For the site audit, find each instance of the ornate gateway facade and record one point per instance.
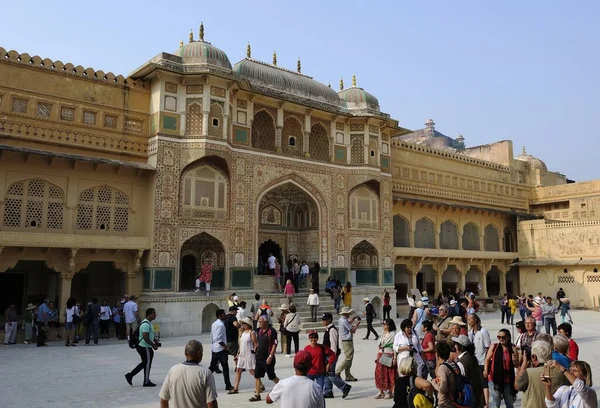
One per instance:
(111, 185)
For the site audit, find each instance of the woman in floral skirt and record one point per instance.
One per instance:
(385, 368)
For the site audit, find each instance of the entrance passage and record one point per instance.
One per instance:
(28, 282)
(194, 252)
(267, 248)
(99, 279)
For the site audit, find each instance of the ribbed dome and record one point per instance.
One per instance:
(283, 80)
(358, 98)
(534, 162)
(201, 52)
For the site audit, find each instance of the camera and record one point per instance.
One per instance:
(158, 343)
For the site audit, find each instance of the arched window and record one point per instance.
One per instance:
(401, 232)
(263, 131)
(34, 204)
(424, 233)
(103, 208)
(491, 240)
(470, 237)
(318, 144)
(364, 209)
(193, 119)
(449, 235)
(204, 193)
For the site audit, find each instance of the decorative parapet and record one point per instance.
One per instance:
(449, 155)
(59, 67)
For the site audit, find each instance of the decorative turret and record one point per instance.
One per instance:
(357, 98)
(429, 127)
(354, 81)
(191, 36)
(299, 66)
(201, 32)
(202, 52)
(275, 58)
(248, 51)
(341, 84)
(459, 142)
(534, 162)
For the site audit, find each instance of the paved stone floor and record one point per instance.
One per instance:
(57, 376)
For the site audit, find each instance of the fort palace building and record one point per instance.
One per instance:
(112, 185)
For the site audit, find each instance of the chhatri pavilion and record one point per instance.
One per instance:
(113, 184)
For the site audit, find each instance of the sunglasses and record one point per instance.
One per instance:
(501, 337)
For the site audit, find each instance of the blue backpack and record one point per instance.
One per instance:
(463, 391)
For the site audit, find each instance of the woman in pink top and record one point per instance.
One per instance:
(289, 291)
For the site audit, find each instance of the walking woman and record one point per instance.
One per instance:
(386, 304)
(499, 371)
(579, 394)
(292, 327)
(246, 359)
(289, 291)
(428, 346)
(277, 277)
(71, 314)
(347, 294)
(385, 363)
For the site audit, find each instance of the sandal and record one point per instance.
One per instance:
(262, 388)
(255, 398)
(379, 396)
(233, 392)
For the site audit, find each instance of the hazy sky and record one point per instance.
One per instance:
(527, 71)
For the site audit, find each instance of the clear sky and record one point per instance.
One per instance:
(527, 71)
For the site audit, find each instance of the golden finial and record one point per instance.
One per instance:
(275, 58)
(299, 66)
(191, 35)
(341, 84)
(201, 33)
(353, 80)
(248, 51)
(181, 44)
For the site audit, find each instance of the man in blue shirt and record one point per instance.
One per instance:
(145, 348)
(42, 322)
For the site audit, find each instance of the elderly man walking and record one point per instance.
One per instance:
(10, 324)
(347, 330)
(189, 384)
(42, 322)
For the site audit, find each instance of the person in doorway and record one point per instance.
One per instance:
(145, 347)
(205, 276)
(189, 384)
(53, 319)
(271, 264)
(295, 275)
(130, 310)
(105, 315)
(42, 322)
(28, 320)
(10, 324)
(298, 391)
(331, 340)
(218, 338)
(265, 356)
(386, 304)
(370, 315)
(313, 302)
(277, 277)
(304, 271)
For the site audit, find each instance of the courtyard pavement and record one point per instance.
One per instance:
(57, 376)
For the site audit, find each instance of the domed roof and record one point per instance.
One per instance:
(282, 80)
(202, 52)
(358, 98)
(534, 162)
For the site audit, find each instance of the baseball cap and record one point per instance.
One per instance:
(303, 359)
(313, 334)
(327, 316)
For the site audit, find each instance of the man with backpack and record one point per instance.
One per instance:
(445, 378)
(331, 339)
(145, 345)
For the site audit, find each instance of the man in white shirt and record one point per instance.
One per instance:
(218, 347)
(189, 384)
(304, 270)
(480, 338)
(313, 302)
(130, 310)
(298, 391)
(271, 264)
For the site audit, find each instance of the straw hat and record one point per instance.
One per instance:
(457, 320)
(366, 299)
(346, 310)
(284, 307)
(248, 321)
(30, 306)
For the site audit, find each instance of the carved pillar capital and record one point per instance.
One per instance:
(138, 259)
(72, 255)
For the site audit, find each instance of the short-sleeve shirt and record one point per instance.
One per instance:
(266, 339)
(70, 312)
(189, 385)
(146, 327)
(43, 309)
(129, 311)
(298, 392)
(345, 329)
(271, 262)
(230, 329)
(481, 340)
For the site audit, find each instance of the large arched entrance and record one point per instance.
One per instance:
(365, 260)
(288, 226)
(194, 252)
(28, 282)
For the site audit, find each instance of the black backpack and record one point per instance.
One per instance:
(134, 338)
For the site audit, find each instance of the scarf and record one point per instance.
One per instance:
(498, 370)
(387, 340)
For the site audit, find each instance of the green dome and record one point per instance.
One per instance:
(358, 98)
(285, 81)
(201, 52)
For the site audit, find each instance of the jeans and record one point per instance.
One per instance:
(92, 327)
(10, 332)
(296, 338)
(117, 329)
(147, 355)
(505, 312)
(370, 329)
(510, 318)
(336, 303)
(221, 357)
(319, 379)
(550, 322)
(495, 397)
(386, 312)
(332, 379)
(566, 318)
(523, 313)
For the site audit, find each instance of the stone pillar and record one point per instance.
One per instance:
(226, 122)
(130, 286)
(438, 282)
(481, 242)
(460, 243)
(205, 109)
(278, 132)
(305, 144)
(413, 279)
(437, 239)
(462, 278)
(66, 278)
(502, 277)
(485, 268)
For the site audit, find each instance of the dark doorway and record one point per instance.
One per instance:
(265, 249)
(12, 288)
(99, 279)
(189, 270)
(420, 284)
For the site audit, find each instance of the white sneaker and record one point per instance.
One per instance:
(288, 355)
(197, 290)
